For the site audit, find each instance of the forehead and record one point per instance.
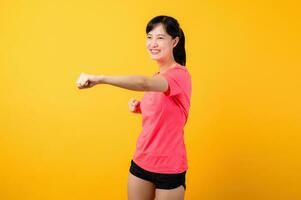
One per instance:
(158, 30)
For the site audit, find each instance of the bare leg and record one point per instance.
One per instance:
(173, 194)
(140, 189)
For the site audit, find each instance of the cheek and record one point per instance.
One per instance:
(147, 43)
(167, 45)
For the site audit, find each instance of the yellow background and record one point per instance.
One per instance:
(58, 142)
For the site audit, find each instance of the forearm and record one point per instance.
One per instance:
(130, 82)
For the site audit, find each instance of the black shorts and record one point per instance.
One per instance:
(161, 181)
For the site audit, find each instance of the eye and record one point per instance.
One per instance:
(160, 37)
(149, 37)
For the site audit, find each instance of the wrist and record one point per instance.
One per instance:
(99, 79)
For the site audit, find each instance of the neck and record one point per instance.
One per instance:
(166, 64)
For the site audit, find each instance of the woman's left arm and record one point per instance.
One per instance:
(130, 82)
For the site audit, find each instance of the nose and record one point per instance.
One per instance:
(153, 44)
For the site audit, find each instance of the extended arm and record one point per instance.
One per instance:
(135, 82)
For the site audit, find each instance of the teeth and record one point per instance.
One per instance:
(155, 51)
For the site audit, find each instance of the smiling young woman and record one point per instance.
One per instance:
(158, 167)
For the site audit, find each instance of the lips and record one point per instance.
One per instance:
(154, 51)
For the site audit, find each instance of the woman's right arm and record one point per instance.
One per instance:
(134, 106)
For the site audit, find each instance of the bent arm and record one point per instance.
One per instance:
(135, 82)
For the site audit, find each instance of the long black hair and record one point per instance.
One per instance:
(173, 28)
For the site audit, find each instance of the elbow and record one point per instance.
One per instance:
(145, 84)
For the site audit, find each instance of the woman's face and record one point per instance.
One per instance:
(159, 44)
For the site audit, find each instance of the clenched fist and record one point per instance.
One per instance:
(86, 81)
(134, 106)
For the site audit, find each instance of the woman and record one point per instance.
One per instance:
(159, 164)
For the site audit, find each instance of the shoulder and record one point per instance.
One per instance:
(178, 70)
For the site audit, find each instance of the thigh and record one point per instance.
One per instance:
(140, 189)
(171, 194)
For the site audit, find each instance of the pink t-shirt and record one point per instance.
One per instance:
(160, 146)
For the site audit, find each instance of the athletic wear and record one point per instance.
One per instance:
(160, 147)
(161, 181)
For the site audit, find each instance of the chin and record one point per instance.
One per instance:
(155, 57)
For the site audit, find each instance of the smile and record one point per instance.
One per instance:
(153, 51)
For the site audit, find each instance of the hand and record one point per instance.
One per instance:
(134, 106)
(86, 81)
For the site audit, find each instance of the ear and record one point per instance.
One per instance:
(175, 41)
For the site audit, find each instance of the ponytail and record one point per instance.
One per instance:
(179, 52)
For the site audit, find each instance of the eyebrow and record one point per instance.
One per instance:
(158, 34)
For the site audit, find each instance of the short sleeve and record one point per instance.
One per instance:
(174, 78)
